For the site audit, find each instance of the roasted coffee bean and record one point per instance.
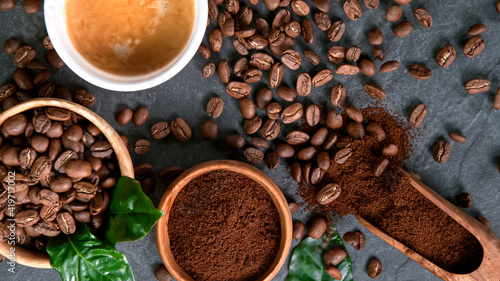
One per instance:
(262, 26)
(352, 9)
(336, 54)
(441, 152)
(141, 147)
(240, 45)
(355, 130)
(336, 31)
(390, 150)
(64, 158)
(317, 175)
(253, 155)
(261, 61)
(292, 113)
(457, 137)
(291, 59)
(27, 157)
(293, 29)
(232, 6)
(244, 32)
(10, 156)
(322, 5)
(498, 6)
(238, 89)
(47, 90)
(272, 160)
(334, 255)
(27, 218)
(15, 125)
(162, 274)
(170, 172)
(311, 56)
(308, 31)
(356, 239)
(474, 46)
(347, 69)
(9, 103)
(402, 2)
(304, 84)
(317, 228)
(96, 205)
(374, 269)
(12, 45)
(226, 24)
(394, 13)
(423, 17)
(66, 223)
(389, 66)
(294, 207)
(49, 229)
(419, 72)
(18, 183)
(180, 129)
(323, 160)
(354, 113)
(334, 272)
(484, 221)
(247, 108)
(371, 4)
(54, 60)
(57, 114)
(73, 133)
(24, 55)
(101, 149)
(270, 129)
(42, 77)
(300, 8)
(286, 93)
(259, 142)
(322, 77)
(330, 141)
(344, 142)
(215, 39)
(252, 75)
(319, 137)
(298, 230)
(208, 69)
(334, 119)
(263, 97)
(82, 216)
(296, 171)
(276, 74)
(213, 10)
(143, 169)
(7, 5)
(7, 91)
(78, 169)
(48, 197)
(235, 141)
(446, 56)
(378, 53)
(338, 95)
(84, 98)
(380, 167)
(476, 29)
(23, 80)
(464, 200)
(475, 86)
(297, 137)
(84, 190)
(204, 51)
(284, 150)
(342, 155)
(224, 71)
(367, 67)
(256, 42)
(252, 125)
(375, 36)
(160, 130)
(418, 114)
(353, 53)
(78, 206)
(313, 114)
(31, 6)
(67, 197)
(61, 184)
(307, 153)
(288, 43)
(273, 110)
(39, 169)
(403, 29)
(322, 20)
(374, 91)
(281, 19)
(214, 107)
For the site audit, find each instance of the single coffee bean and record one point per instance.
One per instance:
(474, 46)
(84, 98)
(378, 53)
(66, 223)
(323, 21)
(15, 125)
(209, 130)
(338, 95)
(47, 90)
(296, 171)
(380, 167)
(31, 6)
(271, 129)
(73, 133)
(160, 130)
(143, 169)
(284, 150)
(336, 31)
(276, 75)
(294, 207)
(304, 84)
(356, 239)
(272, 160)
(262, 26)
(78, 169)
(317, 175)
(354, 113)
(208, 69)
(224, 71)
(23, 80)
(263, 97)
(317, 228)
(342, 155)
(253, 155)
(255, 42)
(286, 93)
(323, 160)
(441, 152)
(292, 113)
(419, 72)
(84, 190)
(12, 45)
(215, 39)
(334, 119)
(54, 60)
(180, 129)
(300, 8)
(226, 24)
(367, 67)
(27, 218)
(293, 29)
(313, 114)
(273, 110)
(330, 141)
(307, 153)
(7, 91)
(141, 147)
(42, 77)
(328, 194)
(347, 69)
(235, 141)
(322, 77)
(40, 168)
(169, 172)
(82, 216)
(319, 137)
(389, 66)
(204, 51)
(259, 142)
(457, 137)
(374, 269)
(214, 107)
(355, 130)
(496, 103)
(57, 114)
(322, 5)
(308, 31)
(334, 256)
(281, 19)
(334, 272)
(446, 56)
(240, 45)
(48, 197)
(63, 159)
(475, 86)
(296, 137)
(394, 13)
(336, 54)
(298, 230)
(261, 61)
(93, 130)
(371, 4)
(238, 90)
(241, 66)
(484, 221)
(27, 157)
(291, 59)
(252, 125)
(375, 36)
(232, 6)
(101, 149)
(353, 53)
(374, 91)
(418, 114)
(403, 29)
(464, 200)
(311, 56)
(24, 55)
(390, 150)
(247, 108)
(352, 9)
(423, 17)
(162, 274)
(344, 142)
(476, 29)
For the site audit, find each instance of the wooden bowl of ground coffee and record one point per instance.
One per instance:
(38, 259)
(224, 220)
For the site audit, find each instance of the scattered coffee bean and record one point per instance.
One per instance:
(484, 221)
(209, 130)
(226, 24)
(390, 150)
(356, 239)
(169, 172)
(238, 89)
(476, 29)
(208, 69)
(354, 113)
(355, 130)
(204, 51)
(12, 45)
(272, 160)
(378, 53)
(464, 200)
(241, 66)
(253, 155)
(457, 137)
(317, 228)
(160, 130)
(291, 59)
(276, 74)
(334, 272)
(419, 72)
(271, 129)
(374, 269)
(141, 147)
(42, 77)
(322, 5)
(124, 116)
(319, 137)
(259, 142)
(273, 110)
(215, 39)
(475, 86)
(296, 171)
(298, 230)
(311, 56)
(375, 36)
(334, 255)
(286, 93)
(23, 80)
(418, 114)
(140, 116)
(441, 152)
(353, 53)
(247, 108)
(394, 13)
(180, 129)
(31, 6)
(336, 31)
(423, 17)
(322, 77)
(296, 137)
(294, 207)
(347, 69)
(330, 141)
(300, 8)
(24, 56)
(380, 167)
(474, 46)
(338, 96)
(389, 66)
(252, 125)
(496, 103)
(84, 98)
(328, 194)
(307, 153)
(336, 54)
(292, 113)
(403, 29)
(161, 272)
(334, 119)
(262, 26)
(54, 59)
(263, 97)
(214, 107)
(313, 114)
(143, 169)
(284, 150)
(374, 91)
(367, 67)
(352, 9)
(7, 5)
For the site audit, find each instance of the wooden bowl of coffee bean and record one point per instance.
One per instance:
(57, 161)
(235, 214)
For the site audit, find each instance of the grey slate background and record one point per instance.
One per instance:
(473, 166)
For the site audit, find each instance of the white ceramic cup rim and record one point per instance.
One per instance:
(57, 31)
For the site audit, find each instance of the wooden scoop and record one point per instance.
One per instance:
(489, 270)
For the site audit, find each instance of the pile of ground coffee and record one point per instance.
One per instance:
(224, 226)
(392, 204)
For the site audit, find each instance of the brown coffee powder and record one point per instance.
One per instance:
(392, 204)
(224, 226)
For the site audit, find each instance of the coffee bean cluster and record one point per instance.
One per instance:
(59, 168)
(30, 6)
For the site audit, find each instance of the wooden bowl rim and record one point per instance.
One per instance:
(161, 228)
(42, 260)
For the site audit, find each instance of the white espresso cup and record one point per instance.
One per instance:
(55, 21)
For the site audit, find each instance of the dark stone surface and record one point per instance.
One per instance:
(472, 168)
